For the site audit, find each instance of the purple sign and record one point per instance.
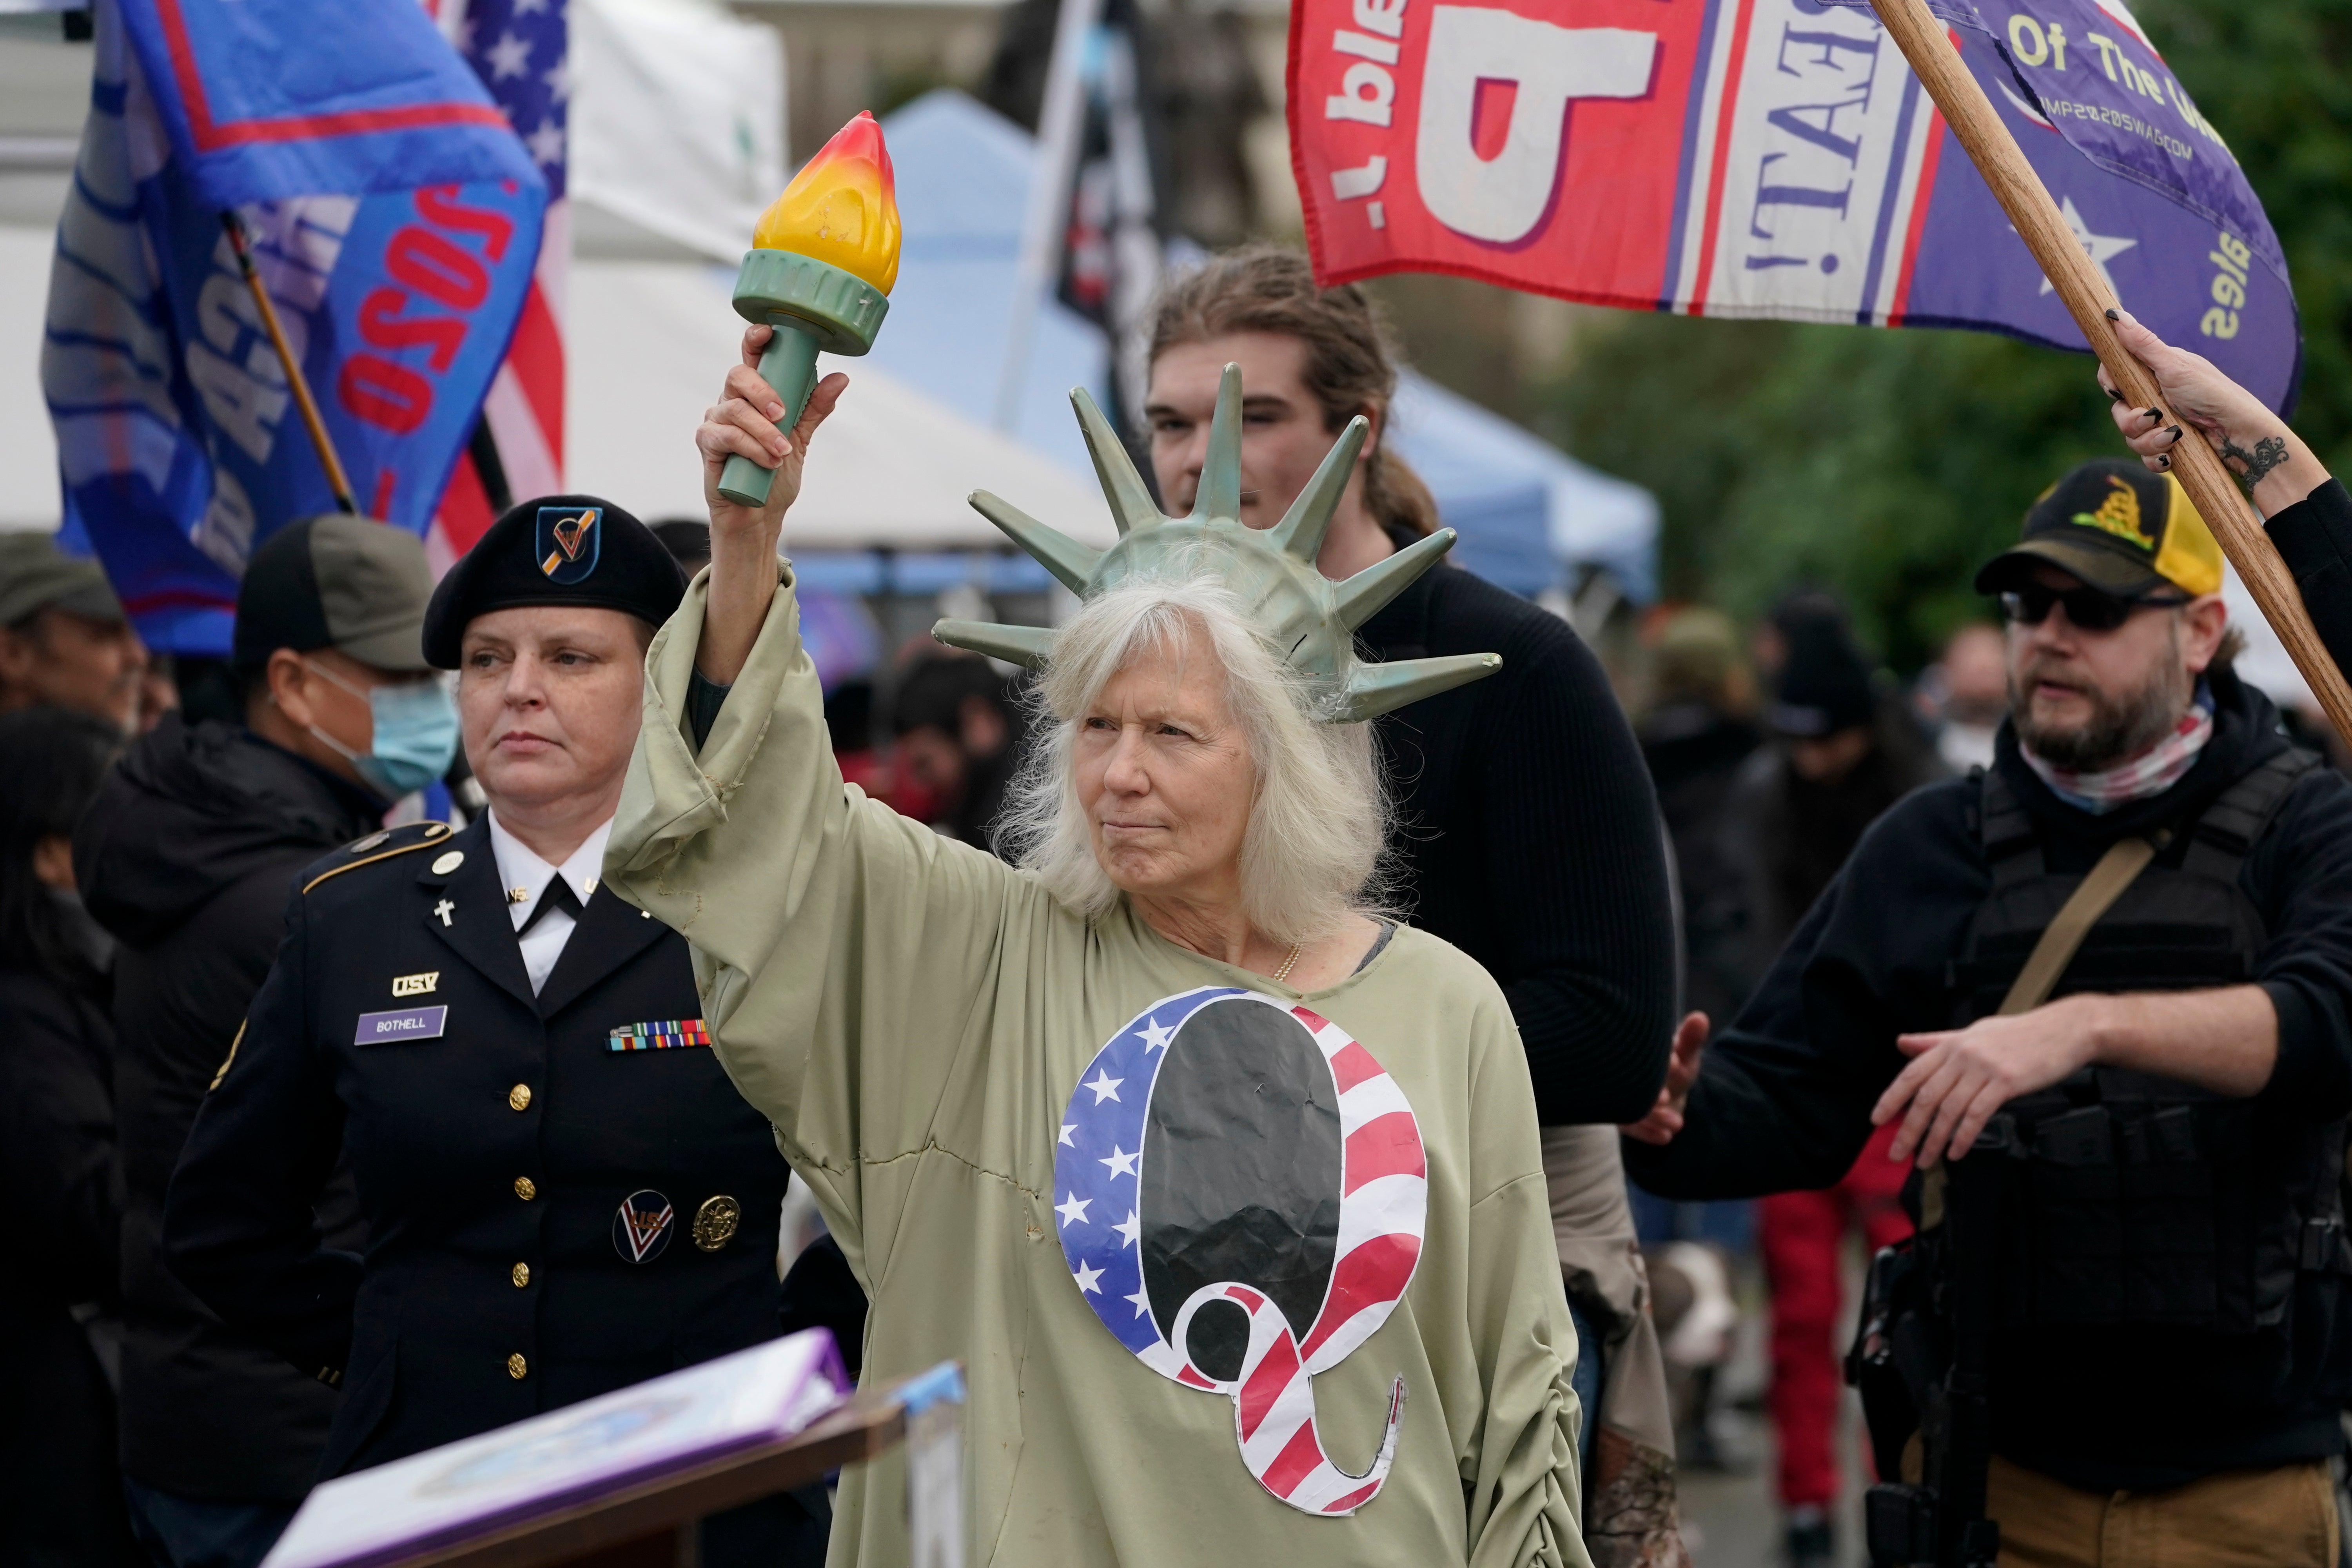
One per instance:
(477, 1485)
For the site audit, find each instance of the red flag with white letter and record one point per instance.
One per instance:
(1774, 158)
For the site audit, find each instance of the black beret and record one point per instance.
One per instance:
(555, 550)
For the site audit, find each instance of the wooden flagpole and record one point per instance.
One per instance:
(2211, 484)
(337, 481)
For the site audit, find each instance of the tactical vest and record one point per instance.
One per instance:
(2129, 1199)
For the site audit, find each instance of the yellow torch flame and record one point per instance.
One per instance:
(842, 207)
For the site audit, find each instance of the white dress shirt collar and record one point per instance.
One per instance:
(526, 879)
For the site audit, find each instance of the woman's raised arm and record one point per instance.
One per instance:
(2256, 444)
(743, 539)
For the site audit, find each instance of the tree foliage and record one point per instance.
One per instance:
(1886, 465)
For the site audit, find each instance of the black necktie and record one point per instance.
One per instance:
(559, 895)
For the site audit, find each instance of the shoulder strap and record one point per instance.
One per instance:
(2231, 825)
(2117, 869)
(2013, 847)
(428, 834)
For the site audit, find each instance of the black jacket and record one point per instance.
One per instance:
(1529, 838)
(186, 857)
(2314, 538)
(1784, 836)
(1783, 1098)
(61, 1487)
(493, 1136)
(1694, 754)
(57, 1142)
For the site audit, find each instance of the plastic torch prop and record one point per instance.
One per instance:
(820, 271)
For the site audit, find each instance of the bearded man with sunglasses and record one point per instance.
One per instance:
(2165, 1287)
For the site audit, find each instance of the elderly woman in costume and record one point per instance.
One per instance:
(1226, 1191)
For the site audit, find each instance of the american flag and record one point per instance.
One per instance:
(521, 49)
(1105, 1163)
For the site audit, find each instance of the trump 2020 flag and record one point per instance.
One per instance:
(1775, 158)
(394, 219)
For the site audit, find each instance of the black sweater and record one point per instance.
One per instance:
(1529, 838)
(1783, 1096)
(2314, 538)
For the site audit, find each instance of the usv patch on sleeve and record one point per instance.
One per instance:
(670, 1036)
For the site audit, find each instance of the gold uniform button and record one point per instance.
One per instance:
(521, 1275)
(716, 1221)
(517, 1368)
(519, 1096)
(525, 1188)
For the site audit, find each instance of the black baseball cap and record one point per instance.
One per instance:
(350, 583)
(2118, 528)
(1824, 686)
(555, 550)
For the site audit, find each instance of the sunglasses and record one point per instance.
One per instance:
(2088, 609)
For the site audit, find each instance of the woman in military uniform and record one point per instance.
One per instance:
(564, 1194)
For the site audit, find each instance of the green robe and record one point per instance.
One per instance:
(914, 1016)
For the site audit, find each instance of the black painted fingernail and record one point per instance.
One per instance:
(2115, 315)
(2176, 432)
(2164, 458)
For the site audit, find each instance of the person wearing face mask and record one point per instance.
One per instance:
(184, 859)
(562, 1192)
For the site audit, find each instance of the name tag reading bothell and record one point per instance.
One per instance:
(415, 1024)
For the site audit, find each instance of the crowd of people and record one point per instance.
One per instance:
(342, 1128)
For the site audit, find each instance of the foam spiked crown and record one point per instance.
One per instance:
(1272, 571)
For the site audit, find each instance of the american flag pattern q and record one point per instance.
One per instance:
(1240, 1192)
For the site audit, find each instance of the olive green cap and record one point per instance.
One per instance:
(35, 575)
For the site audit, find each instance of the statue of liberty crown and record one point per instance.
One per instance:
(1272, 571)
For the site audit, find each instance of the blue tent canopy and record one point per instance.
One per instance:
(1528, 513)
(963, 182)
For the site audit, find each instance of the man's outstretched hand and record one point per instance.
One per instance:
(1958, 1077)
(1666, 1118)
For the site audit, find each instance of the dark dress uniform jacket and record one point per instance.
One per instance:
(492, 1158)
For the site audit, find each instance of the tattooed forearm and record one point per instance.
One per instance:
(2269, 453)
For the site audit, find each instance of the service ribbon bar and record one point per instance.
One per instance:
(672, 1036)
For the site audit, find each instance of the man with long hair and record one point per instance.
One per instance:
(1528, 836)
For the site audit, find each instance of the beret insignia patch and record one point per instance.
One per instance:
(569, 542)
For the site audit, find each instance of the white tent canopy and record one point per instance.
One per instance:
(28, 451)
(677, 123)
(650, 342)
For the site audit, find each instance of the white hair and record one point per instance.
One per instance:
(1313, 851)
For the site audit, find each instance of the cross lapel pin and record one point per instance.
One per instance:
(443, 909)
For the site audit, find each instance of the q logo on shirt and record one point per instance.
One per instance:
(1242, 1193)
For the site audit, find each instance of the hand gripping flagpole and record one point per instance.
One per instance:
(2211, 486)
(337, 481)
